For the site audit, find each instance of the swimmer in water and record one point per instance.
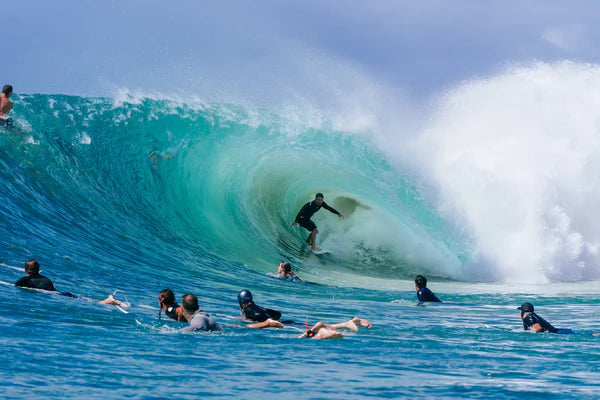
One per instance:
(166, 302)
(285, 272)
(535, 323)
(264, 317)
(5, 104)
(198, 319)
(330, 331)
(306, 212)
(34, 280)
(424, 294)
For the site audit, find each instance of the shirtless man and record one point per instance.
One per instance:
(5, 104)
(327, 331)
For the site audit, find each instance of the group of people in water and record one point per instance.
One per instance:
(258, 317)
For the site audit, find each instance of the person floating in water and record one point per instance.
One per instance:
(34, 280)
(198, 319)
(285, 272)
(264, 317)
(424, 294)
(330, 331)
(535, 323)
(306, 212)
(5, 104)
(166, 301)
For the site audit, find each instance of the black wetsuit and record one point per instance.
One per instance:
(424, 294)
(533, 318)
(171, 311)
(256, 313)
(308, 210)
(38, 281)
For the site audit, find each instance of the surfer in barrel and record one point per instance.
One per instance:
(304, 218)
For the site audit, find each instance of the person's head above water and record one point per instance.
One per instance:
(244, 297)
(7, 90)
(420, 282)
(189, 302)
(32, 267)
(525, 307)
(287, 268)
(166, 297)
(284, 268)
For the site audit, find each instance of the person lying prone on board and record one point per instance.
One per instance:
(33, 280)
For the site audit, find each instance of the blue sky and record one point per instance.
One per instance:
(262, 49)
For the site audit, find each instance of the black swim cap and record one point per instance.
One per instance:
(244, 297)
(526, 307)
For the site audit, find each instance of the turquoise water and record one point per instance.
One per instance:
(142, 194)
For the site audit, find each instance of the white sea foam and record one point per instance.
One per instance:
(515, 159)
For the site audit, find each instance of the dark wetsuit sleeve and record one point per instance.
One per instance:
(274, 314)
(333, 210)
(23, 282)
(546, 325)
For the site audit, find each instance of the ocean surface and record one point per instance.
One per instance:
(138, 193)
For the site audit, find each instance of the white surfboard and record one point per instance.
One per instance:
(322, 251)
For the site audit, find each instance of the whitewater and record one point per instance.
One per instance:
(491, 195)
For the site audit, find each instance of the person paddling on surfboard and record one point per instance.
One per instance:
(33, 280)
(306, 212)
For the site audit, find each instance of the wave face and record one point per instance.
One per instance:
(161, 181)
(502, 184)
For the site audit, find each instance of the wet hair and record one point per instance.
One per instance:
(287, 268)
(190, 303)
(7, 89)
(319, 195)
(166, 297)
(421, 281)
(32, 267)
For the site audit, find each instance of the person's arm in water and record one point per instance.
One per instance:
(268, 323)
(23, 282)
(333, 210)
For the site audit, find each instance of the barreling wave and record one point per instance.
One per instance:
(502, 185)
(154, 179)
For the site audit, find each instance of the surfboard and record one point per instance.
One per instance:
(322, 251)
